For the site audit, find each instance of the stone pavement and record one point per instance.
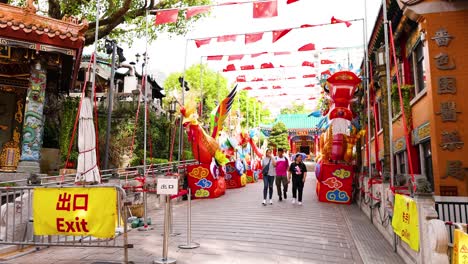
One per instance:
(236, 228)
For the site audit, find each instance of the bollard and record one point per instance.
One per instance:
(165, 259)
(189, 244)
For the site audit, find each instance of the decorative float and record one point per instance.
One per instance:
(335, 169)
(206, 180)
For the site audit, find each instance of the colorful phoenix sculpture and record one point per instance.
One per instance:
(207, 178)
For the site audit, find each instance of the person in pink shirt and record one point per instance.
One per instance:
(282, 165)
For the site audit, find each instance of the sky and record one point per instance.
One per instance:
(167, 54)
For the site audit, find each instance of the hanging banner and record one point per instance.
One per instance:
(460, 247)
(405, 220)
(75, 211)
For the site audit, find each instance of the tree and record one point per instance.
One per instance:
(123, 20)
(250, 116)
(279, 136)
(295, 109)
(211, 88)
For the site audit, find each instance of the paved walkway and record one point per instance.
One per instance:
(236, 229)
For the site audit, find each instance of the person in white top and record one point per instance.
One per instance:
(269, 173)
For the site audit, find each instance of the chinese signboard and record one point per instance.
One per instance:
(460, 247)
(75, 211)
(421, 133)
(399, 145)
(167, 186)
(405, 220)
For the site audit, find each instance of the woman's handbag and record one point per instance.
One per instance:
(266, 169)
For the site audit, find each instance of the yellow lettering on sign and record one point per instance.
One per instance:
(424, 132)
(75, 211)
(405, 220)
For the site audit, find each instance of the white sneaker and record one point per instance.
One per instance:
(299, 203)
(271, 201)
(293, 201)
(264, 202)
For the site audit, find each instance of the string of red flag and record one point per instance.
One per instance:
(253, 37)
(243, 79)
(233, 57)
(260, 9)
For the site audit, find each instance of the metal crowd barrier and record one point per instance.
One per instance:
(16, 222)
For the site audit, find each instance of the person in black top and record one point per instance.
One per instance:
(298, 171)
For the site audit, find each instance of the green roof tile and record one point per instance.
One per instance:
(298, 121)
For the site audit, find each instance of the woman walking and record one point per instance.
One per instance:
(298, 170)
(269, 173)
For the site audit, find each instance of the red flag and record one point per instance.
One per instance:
(326, 62)
(327, 72)
(248, 88)
(307, 47)
(227, 38)
(312, 98)
(258, 54)
(265, 9)
(336, 21)
(230, 67)
(263, 88)
(240, 78)
(268, 65)
(166, 16)
(215, 57)
(235, 57)
(276, 87)
(309, 76)
(247, 67)
(252, 38)
(281, 53)
(308, 63)
(309, 85)
(307, 26)
(193, 11)
(277, 34)
(291, 1)
(201, 42)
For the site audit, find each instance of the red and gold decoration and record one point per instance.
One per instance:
(335, 168)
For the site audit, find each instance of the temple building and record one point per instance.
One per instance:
(39, 60)
(302, 130)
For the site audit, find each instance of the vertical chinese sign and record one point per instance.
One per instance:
(405, 220)
(450, 134)
(75, 211)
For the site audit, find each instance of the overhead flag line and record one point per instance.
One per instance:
(261, 9)
(252, 37)
(232, 57)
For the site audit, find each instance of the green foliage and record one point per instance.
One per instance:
(295, 109)
(136, 161)
(406, 93)
(279, 136)
(122, 19)
(247, 106)
(211, 88)
(69, 110)
(323, 103)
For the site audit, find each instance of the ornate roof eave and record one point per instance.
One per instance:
(20, 22)
(415, 9)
